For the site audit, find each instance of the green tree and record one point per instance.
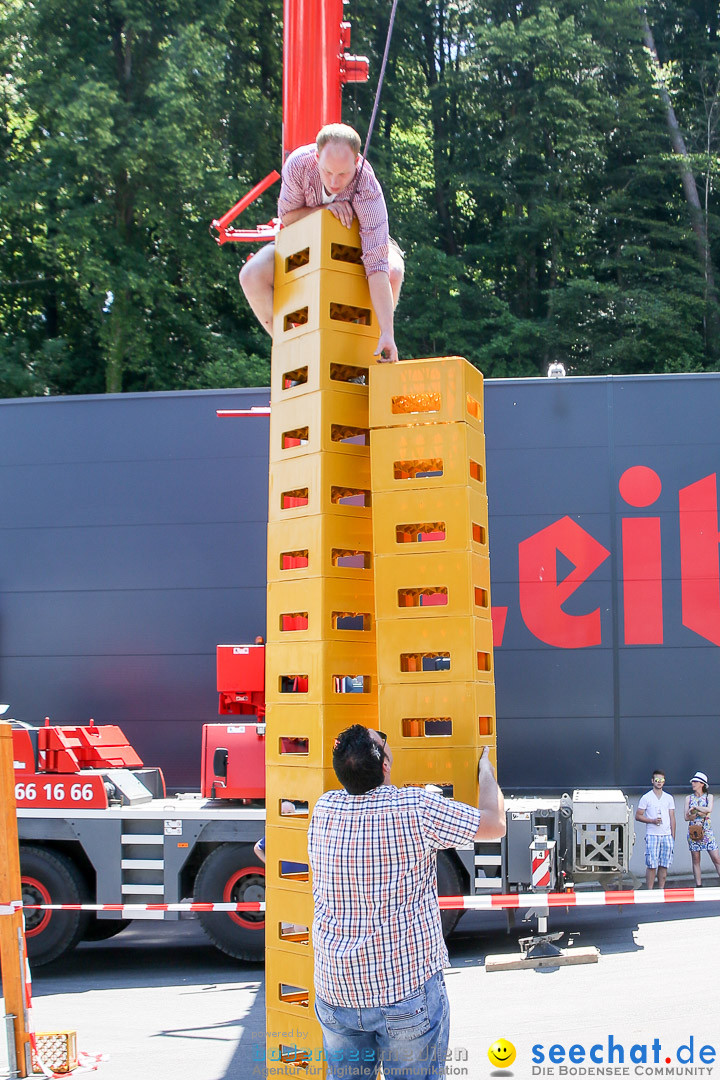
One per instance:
(125, 131)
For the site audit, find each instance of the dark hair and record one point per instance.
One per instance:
(358, 760)
(657, 772)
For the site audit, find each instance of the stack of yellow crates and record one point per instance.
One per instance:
(321, 671)
(432, 571)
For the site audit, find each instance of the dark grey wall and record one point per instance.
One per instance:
(132, 541)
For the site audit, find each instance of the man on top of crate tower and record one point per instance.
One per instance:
(325, 174)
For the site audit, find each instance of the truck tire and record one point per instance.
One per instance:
(450, 883)
(102, 929)
(51, 878)
(233, 873)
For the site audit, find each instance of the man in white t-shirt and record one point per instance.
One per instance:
(657, 809)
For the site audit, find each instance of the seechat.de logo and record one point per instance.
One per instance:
(501, 1053)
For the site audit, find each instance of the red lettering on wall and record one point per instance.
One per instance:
(642, 560)
(499, 618)
(542, 595)
(699, 558)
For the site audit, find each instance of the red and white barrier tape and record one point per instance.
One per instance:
(489, 902)
(617, 898)
(11, 908)
(132, 908)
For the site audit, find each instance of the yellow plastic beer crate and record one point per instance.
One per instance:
(317, 242)
(435, 586)
(321, 673)
(418, 521)
(441, 390)
(56, 1051)
(286, 859)
(324, 420)
(452, 769)
(443, 714)
(321, 360)
(453, 649)
(300, 735)
(301, 787)
(289, 982)
(427, 456)
(321, 609)
(294, 1045)
(328, 301)
(322, 545)
(288, 919)
(320, 484)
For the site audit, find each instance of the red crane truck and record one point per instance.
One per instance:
(97, 827)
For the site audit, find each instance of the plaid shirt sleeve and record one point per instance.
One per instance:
(295, 192)
(371, 211)
(447, 823)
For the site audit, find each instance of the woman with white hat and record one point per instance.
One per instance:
(698, 811)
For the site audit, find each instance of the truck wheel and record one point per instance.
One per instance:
(449, 884)
(51, 878)
(102, 929)
(232, 874)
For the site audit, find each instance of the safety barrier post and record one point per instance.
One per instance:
(12, 936)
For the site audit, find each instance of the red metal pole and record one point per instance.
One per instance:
(253, 194)
(313, 49)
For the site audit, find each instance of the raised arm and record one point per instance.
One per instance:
(491, 802)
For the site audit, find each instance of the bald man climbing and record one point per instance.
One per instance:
(330, 174)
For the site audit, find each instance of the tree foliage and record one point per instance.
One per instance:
(524, 149)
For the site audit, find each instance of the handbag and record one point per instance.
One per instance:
(696, 832)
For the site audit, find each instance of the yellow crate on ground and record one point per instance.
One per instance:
(289, 982)
(320, 484)
(418, 521)
(294, 1045)
(286, 859)
(317, 242)
(427, 456)
(454, 649)
(300, 735)
(432, 587)
(444, 714)
(453, 769)
(327, 420)
(301, 787)
(437, 391)
(321, 360)
(324, 301)
(288, 921)
(56, 1051)
(321, 609)
(321, 673)
(322, 545)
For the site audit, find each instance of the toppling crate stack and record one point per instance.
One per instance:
(321, 669)
(432, 572)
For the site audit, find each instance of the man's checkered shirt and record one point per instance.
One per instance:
(377, 933)
(302, 186)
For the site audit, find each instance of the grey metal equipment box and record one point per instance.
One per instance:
(603, 833)
(523, 816)
(593, 834)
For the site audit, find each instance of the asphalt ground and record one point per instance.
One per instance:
(165, 1005)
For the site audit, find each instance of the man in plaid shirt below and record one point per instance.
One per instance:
(379, 951)
(324, 174)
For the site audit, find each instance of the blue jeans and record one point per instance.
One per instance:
(409, 1038)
